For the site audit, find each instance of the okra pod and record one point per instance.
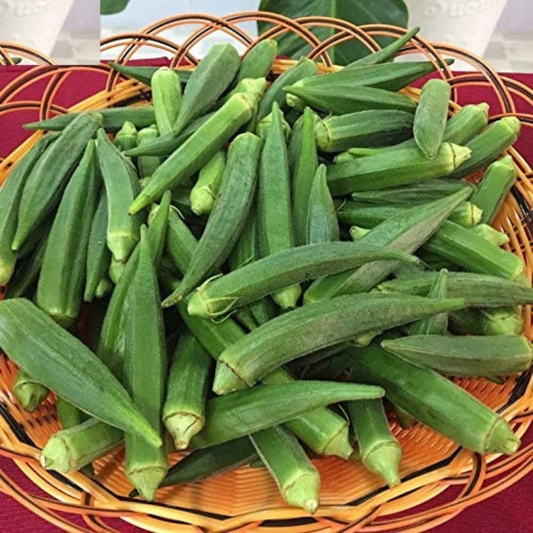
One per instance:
(29, 391)
(383, 171)
(406, 231)
(437, 324)
(228, 216)
(207, 83)
(126, 137)
(420, 391)
(379, 450)
(496, 321)
(497, 355)
(54, 168)
(67, 367)
(296, 477)
(284, 269)
(258, 60)
(113, 119)
(322, 223)
(264, 126)
(144, 74)
(387, 53)
(205, 191)
(489, 233)
(313, 327)
(273, 223)
(62, 278)
(489, 145)
(478, 290)
(71, 449)
(147, 164)
(364, 129)
(246, 412)
(253, 87)
(494, 187)
(98, 254)
(10, 197)
(430, 116)
(122, 229)
(166, 97)
(184, 409)
(276, 93)
(145, 371)
(303, 152)
(208, 139)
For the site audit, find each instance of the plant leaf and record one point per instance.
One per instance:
(110, 7)
(355, 11)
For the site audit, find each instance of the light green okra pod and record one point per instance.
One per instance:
(166, 97)
(322, 224)
(126, 137)
(258, 60)
(147, 164)
(205, 190)
(496, 321)
(29, 391)
(490, 234)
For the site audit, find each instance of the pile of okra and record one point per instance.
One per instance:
(271, 269)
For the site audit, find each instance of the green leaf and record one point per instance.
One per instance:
(355, 11)
(110, 7)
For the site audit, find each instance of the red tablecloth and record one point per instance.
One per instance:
(509, 511)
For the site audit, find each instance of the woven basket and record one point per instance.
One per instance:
(246, 499)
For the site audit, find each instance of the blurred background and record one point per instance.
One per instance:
(499, 30)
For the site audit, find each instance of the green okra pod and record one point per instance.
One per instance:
(147, 164)
(322, 223)
(63, 272)
(273, 222)
(67, 367)
(205, 190)
(296, 477)
(494, 187)
(419, 391)
(122, 229)
(29, 391)
(264, 126)
(76, 447)
(145, 372)
(198, 149)
(113, 119)
(207, 83)
(10, 196)
(317, 326)
(383, 170)
(406, 231)
(303, 164)
(126, 137)
(379, 450)
(363, 129)
(497, 355)
(144, 74)
(166, 97)
(284, 269)
(489, 233)
(489, 145)
(495, 321)
(246, 412)
(228, 216)
(184, 408)
(98, 254)
(258, 60)
(54, 169)
(437, 324)
(430, 116)
(276, 94)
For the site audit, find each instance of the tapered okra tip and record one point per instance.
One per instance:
(139, 203)
(303, 492)
(6, 271)
(339, 445)
(460, 154)
(172, 299)
(512, 123)
(198, 305)
(147, 481)
(183, 426)
(226, 380)
(384, 460)
(501, 439)
(55, 455)
(288, 298)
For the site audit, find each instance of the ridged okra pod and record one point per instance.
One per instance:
(296, 477)
(54, 169)
(62, 278)
(166, 97)
(258, 60)
(126, 137)
(205, 190)
(229, 214)
(498, 355)
(490, 234)
(322, 223)
(273, 222)
(145, 372)
(30, 392)
(147, 164)
(184, 409)
(199, 148)
(378, 449)
(144, 74)
(313, 327)
(496, 321)
(462, 418)
(207, 83)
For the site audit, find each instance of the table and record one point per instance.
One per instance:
(508, 511)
